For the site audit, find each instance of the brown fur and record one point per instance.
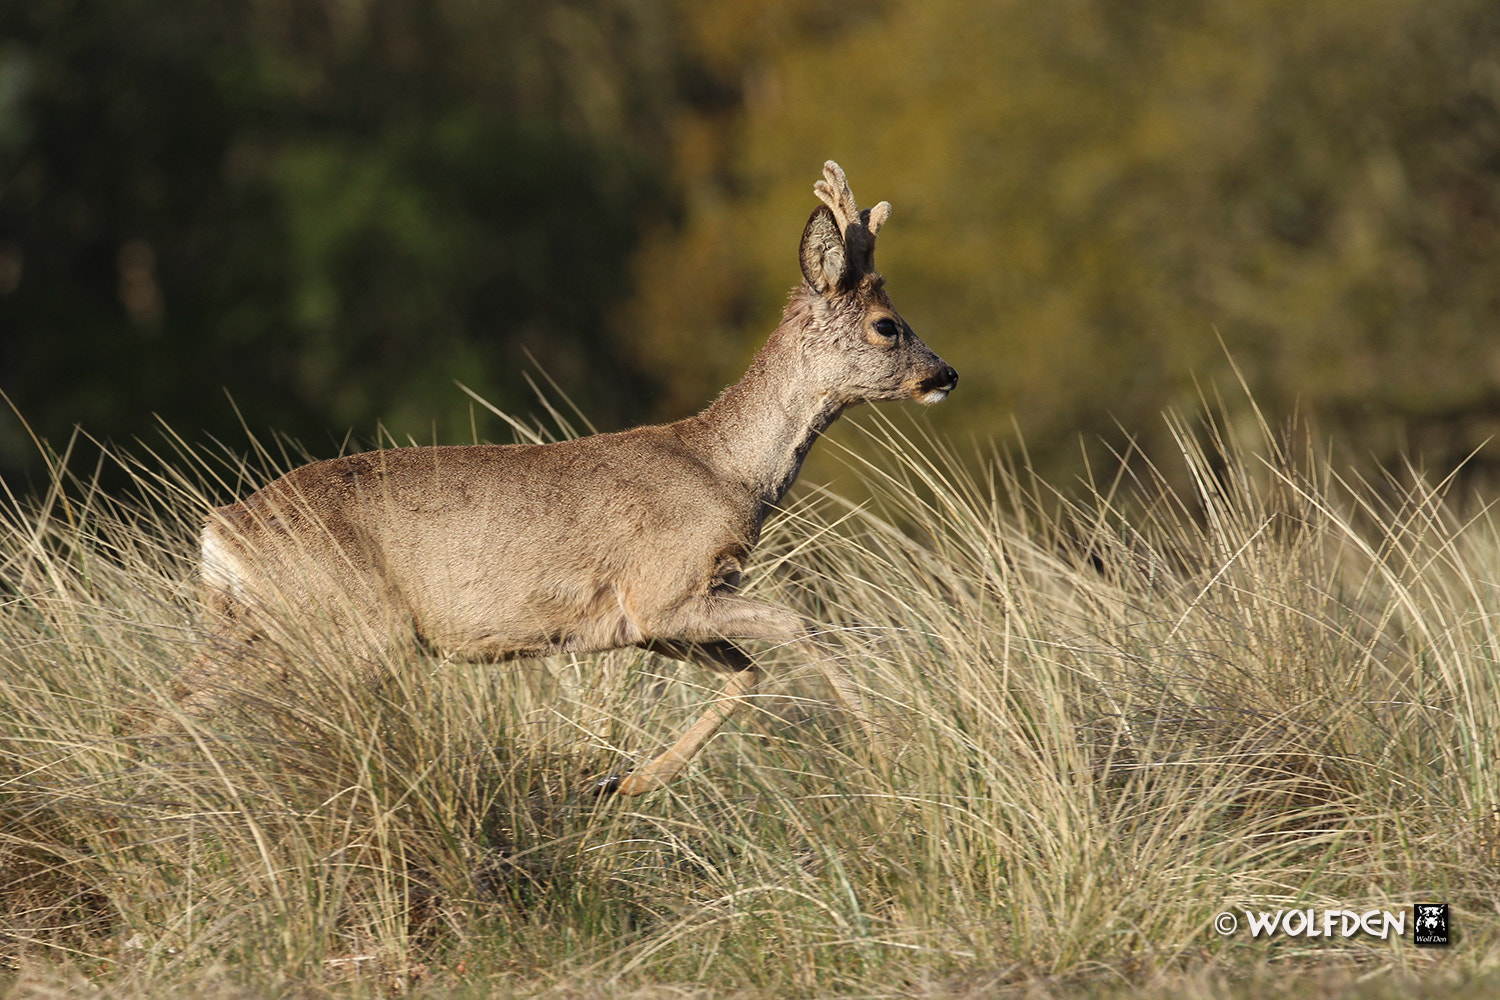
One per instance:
(632, 538)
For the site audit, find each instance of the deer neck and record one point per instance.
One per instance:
(761, 428)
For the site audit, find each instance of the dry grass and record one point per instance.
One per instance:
(1112, 717)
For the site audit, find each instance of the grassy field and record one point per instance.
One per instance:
(1116, 710)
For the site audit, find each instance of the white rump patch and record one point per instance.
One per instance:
(221, 568)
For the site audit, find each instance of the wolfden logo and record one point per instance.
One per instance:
(1430, 924)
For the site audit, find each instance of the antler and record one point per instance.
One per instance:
(858, 228)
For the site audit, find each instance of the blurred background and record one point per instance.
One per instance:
(330, 210)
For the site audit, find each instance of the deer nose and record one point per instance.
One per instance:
(935, 387)
(945, 379)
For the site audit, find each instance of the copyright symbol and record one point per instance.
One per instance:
(1226, 923)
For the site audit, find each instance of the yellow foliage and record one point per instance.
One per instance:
(1090, 194)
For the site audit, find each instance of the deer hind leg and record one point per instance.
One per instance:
(228, 651)
(250, 653)
(743, 676)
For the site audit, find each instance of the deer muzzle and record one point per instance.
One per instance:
(936, 386)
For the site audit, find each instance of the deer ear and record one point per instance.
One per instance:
(824, 260)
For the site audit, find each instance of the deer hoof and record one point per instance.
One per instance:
(610, 784)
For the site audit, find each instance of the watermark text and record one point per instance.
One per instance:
(1312, 923)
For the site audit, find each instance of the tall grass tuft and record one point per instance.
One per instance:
(1113, 710)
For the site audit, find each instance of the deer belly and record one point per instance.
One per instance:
(476, 626)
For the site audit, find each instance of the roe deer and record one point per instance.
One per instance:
(633, 538)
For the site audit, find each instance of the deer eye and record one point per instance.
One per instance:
(886, 328)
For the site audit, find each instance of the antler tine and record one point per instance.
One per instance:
(834, 192)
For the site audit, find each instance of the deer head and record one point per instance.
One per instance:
(875, 355)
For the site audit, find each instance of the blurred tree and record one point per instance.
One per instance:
(334, 209)
(1089, 193)
(329, 209)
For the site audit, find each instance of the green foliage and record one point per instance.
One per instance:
(331, 211)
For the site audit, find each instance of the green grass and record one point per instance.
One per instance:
(1116, 710)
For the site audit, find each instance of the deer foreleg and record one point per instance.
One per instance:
(666, 767)
(744, 619)
(847, 690)
(702, 635)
